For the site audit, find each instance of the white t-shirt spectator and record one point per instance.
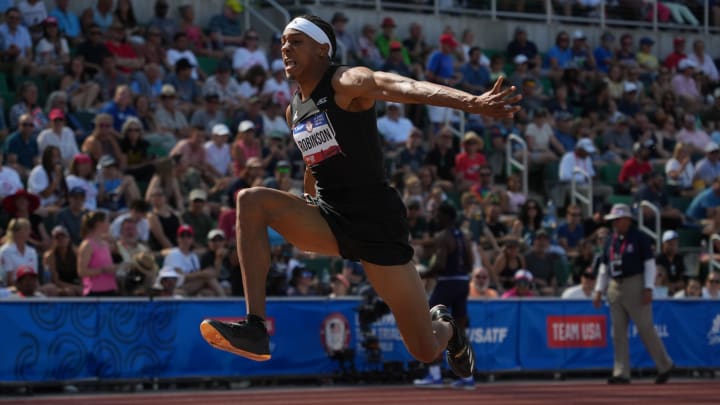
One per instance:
(173, 55)
(32, 14)
(91, 191)
(20, 38)
(11, 259)
(569, 162)
(244, 59)
(247, 90)
(707, 65)
(575, 292)
(540, 136)
(394, 131)
(65, 142)
(229, 92)
(685, 179)
(9, 181)
(279, 91)
(218, 157)
(38, 181)
(186, 263)
(278, 124)
(142, 226)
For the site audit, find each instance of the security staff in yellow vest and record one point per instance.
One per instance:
(627, 271)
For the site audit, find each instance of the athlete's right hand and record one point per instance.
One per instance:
(498, 103)
(597, 300)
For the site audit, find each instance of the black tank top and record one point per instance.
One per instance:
(67, 267)
(342, 148)
(455, 263)
(169, 225)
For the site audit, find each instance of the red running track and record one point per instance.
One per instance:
(702, 392)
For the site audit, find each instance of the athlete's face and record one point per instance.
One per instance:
(300, 53)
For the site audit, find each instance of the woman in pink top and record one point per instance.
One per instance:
(95, 264)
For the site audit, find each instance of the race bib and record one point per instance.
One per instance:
(315, 138)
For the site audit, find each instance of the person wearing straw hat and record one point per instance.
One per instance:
(349, 209)
(627, 272)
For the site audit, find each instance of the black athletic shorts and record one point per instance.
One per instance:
(369, 224)
(453, 294)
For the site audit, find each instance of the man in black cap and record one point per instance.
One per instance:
(627, 270)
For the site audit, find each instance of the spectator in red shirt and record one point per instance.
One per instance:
(634, 168)
(126, 59)
(678, 53)
(469, 161)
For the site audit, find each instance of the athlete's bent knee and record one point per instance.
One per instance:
(249, 200)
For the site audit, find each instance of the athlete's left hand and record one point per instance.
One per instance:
(647, 296)
(498, 103)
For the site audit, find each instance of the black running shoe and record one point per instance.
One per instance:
(663, 377)
(617, 380)
(246, 338)
(460, 354)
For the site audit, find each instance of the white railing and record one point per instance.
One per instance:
(654, 233)
(250, 9)
(578, 195)
(714, 264)
(511, 162)
(548, 15)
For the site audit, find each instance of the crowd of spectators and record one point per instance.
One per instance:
(125, 140)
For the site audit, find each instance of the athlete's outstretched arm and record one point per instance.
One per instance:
(364, 86)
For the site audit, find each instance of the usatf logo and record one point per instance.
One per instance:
(714, 334)
(335, 333)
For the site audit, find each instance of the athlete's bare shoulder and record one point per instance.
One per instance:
(353, 88)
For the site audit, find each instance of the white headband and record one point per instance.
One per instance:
(311, 30)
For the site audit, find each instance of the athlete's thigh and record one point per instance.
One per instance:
(401, 288)
(300, 223)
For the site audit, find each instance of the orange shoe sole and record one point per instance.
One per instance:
(218, 341)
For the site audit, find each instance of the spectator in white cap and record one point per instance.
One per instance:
(628, 103)
(166, 283)
(693, 135)
(582, 55)
(522, 70)
(708, 168)
(171, 122)
(217, 150)
(245, 147)
(581, 158)
(672, 261)
(684, 86)
(680, 170)
(394, 127)
(197, 217)
(276, 87)
(522, 280)
(216, 259)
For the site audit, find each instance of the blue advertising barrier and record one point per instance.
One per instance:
(65, 340)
